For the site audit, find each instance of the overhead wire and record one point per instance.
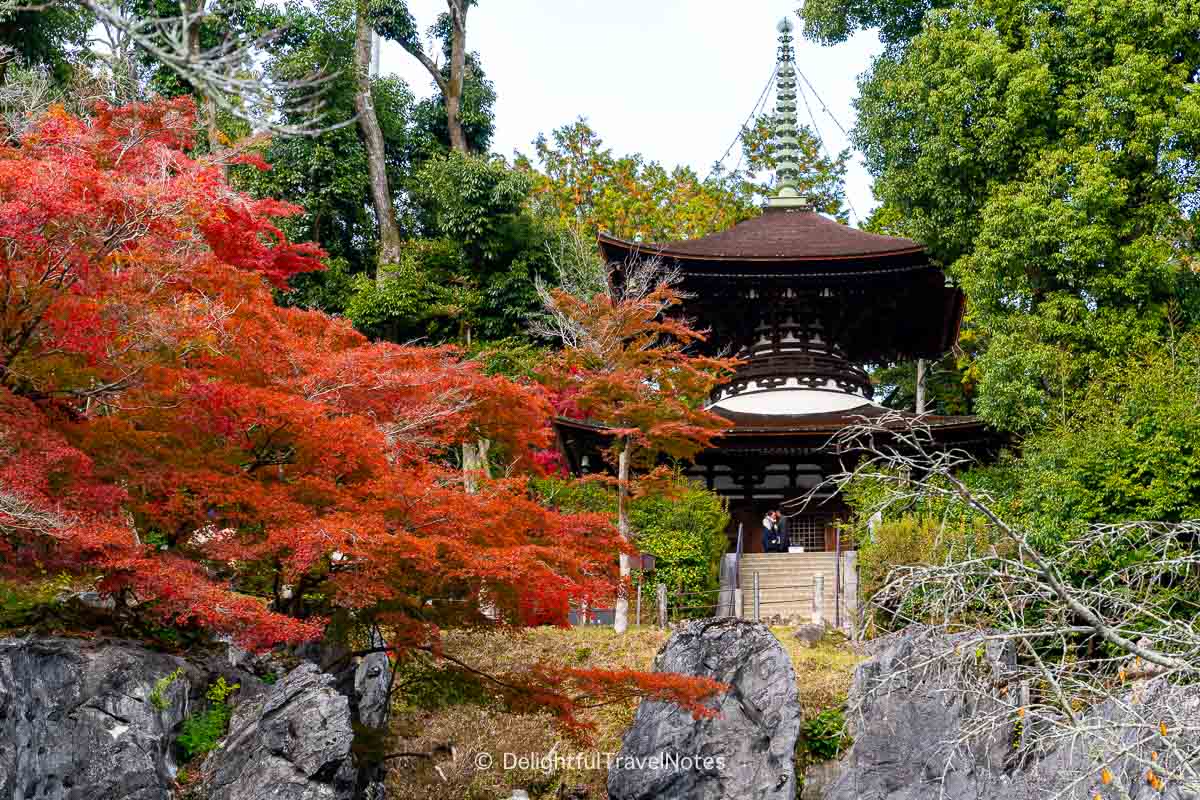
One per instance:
(753, 113)
(820, 137)
(758, 106)
(824, 107)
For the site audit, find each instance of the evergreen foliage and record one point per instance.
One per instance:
(1047, 154)
(202, 731)
(684, 529)
(682, 525)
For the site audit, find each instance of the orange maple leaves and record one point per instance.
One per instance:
(151, 388)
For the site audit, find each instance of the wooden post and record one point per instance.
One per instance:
(757, 600)
(662, 604)
(818, 600)
(737, 603)
(639, 601)
(1025, 719)
(837, 579)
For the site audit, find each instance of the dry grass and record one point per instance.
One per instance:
(823, 676)
(823, 672)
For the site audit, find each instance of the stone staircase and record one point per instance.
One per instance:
(779, 571)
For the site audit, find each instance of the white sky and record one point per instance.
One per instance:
(671, 79)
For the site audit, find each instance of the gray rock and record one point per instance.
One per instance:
(93, 600)
(77, 719)
(918, 733)
(291, 744)
(809, 635)
(372, 687)
(817, 778)
(907, 710)
(746, 752)
(1116, 738)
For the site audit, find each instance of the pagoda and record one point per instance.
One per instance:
(807, 303)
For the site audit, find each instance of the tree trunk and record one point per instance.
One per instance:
(212, 130)
(621, 613)
(451, 89)
(475, 466)
(921, 372)
(475, 463)
(368, 124)
(458, 66)
(195, 10)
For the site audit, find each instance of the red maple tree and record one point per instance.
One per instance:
(630, 366)
(223, 463)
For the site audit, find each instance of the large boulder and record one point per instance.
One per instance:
(908, 708)
(746, 752)
(293, 743)
(934, 715)
(1120, 735)
(89, 720)
(97, 720)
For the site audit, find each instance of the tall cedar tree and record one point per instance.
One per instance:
(239, 467)
(628, 365)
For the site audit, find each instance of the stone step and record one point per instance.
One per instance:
(789, 569)
(790, 558)
(785, 575)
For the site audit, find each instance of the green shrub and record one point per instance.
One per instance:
(21, 603)
(685, 532)
(416, 297)
(824, 737)
(574, 496)
(1126, 451)
(682, 526)
(158, 697)
(917, 539)
(201, 732)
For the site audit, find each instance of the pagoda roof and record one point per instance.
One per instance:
(776, 236)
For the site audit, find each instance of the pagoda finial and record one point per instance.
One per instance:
(787, 126)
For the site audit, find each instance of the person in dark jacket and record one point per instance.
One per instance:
(770, 528)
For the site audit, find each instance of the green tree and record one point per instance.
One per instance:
(54, 38)
(822, 178)
(458, 79)
(833, 21)
(328, 174)
(1047, 154)
(683, 527)
(471, 273)
(1126, 451)
(578, 181)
